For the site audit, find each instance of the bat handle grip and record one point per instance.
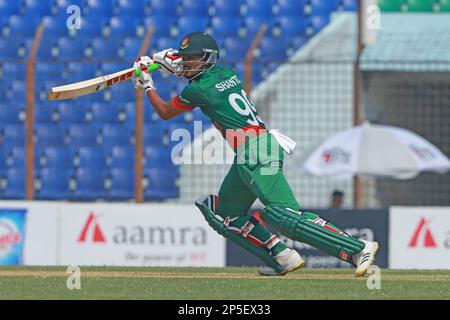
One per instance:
(154, 67)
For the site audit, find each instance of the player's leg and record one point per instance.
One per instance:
(282, 212)
(226, 213)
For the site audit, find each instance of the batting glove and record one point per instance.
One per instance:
(170, 61)
(142, 79)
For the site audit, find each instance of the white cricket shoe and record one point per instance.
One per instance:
(289, 259)
(364, 259)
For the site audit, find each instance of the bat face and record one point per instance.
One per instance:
(82, 88)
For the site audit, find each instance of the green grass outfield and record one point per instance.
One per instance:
(218, 283)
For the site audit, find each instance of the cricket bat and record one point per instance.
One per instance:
(83, 88)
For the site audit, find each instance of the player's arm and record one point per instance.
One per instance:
(165, 109)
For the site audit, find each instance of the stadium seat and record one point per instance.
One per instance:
(227, 8)
(349, 5)
(71, 113)
(48, 50)
(298, 42)
(13, 71)
(103, 49)
(273, 49)
(391, 5)
(12, 49)
(105, 112)
(99, 8)
(21, 26)
(160, 184)
(321, 7)
(49, 135)
(116, 135)
(71, 50)
(52, 184)
(11, 113)
(9, 8)
(166, 43)
(51, 72)
(317, 23)
(15, 158)
(258, 8)
(15, 184)
(123, 93)
(235, 48)
(122, 184)
(54, 158)
(88, 184)
(120, 27)
(83, 71)
(82, 135)
(421, 5)
(291, 7)
(153, 134)
(131, 9)
(55, 27)
(186, 25)
(444, 5)
(91, 27)
(89, 157)
(253, 24)
(157, 155)
(45, 113)
(291, 27)
(162, 25)
(122, 157)
(14, 135)
(226, 26)
(162, 8)
(38, 7)
(197, 8)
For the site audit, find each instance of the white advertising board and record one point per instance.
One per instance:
(419, 238)
(138, 235)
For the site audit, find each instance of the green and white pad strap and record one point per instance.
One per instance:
(239, 236)
(295, 225)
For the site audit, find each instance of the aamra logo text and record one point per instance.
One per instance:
(422, 236)
(91, 230)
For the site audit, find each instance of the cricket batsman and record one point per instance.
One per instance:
(257, 168)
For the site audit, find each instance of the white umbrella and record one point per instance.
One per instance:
(376, 150)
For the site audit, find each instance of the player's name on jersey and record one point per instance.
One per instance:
(229, 83)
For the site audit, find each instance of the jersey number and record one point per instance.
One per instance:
(243, 105)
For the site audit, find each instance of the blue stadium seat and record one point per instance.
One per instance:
(123, 93)
(12, 49)
(116, 135)
(38, 7)
(122, 184)
(317, 23)
(89, 184)
(52, 185)
(123, 27)
(83, 71)
(226, 26)
(15, 158)
(55, 27)
(350, 5)
(153, 134)
(14, 71)
(253, 24)
(51, 72)
(71, 113)
(55, 158)
(131, 8)
(322, 7)
(260, 8)
(15, 184)
(160, 184)
(166, 43)
(16, 92)
(157, 155)
(71, 49)
(48, 50)
(106, 112)
(291, 26)
(273, 49)
(99, 8)
(298, 42)
(14, 135)
(130, 48)
(122, 157)
(82, 135)
(162, 8)
(91, 27)
(49, 135)
(162, 25)
(90, 157)
(9, 8)
(197, 8)
(104, 49)
(11, 113)
(291, 7)
(235, 48)
(227, 8)
(186, 25)
(45, 113)
(21, 26)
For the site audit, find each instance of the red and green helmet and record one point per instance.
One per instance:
(199, 43)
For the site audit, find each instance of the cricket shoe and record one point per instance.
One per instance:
(364, 259)
(289, 259)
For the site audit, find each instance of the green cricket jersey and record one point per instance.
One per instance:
(219, 93)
